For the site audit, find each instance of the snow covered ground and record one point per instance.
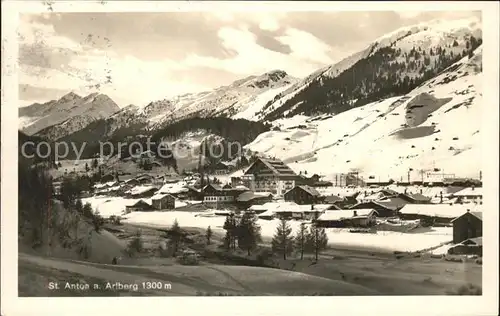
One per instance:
(341, 238)
(374, 140)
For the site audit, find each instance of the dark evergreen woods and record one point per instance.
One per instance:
(379, 76)
(245, 232)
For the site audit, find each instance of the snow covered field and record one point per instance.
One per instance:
(341, 238)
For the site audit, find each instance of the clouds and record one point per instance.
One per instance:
(140, 57)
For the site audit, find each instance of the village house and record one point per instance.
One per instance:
(303, 194)
(469, 195)
(249, 198)
(138, 206)
(333, 199)
(304, 212)
(383, 209)
(468, 225)
(214, 195)
(432, 214)
(347, 218)
(163, 201)
(220, 168)
(269, 175)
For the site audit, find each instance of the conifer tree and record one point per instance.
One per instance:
(282, 240)
(301, 240)
(175, 233)
(248, 232)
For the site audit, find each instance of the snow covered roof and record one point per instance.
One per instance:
(312, 191)
(346, 214)
(478, 241)
(174, 188)
(140, 189)
(436, 210)
(248, 196)
(160, 196)
(475, 213)
(266, 214)
(469, 192)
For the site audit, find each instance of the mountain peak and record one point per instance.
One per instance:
(70, 97)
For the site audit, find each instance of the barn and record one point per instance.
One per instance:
(163, 201)
(302, 194)
(468, 225)
(347, 218)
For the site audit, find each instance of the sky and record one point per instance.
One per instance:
(136, 58)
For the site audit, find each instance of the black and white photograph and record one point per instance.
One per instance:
(223, 152)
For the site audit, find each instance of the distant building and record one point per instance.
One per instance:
(468, 225)
(469, 195)
(138, 206)
(269, 175)
(215, 195)
(163, 201)
(347, 218)
(383, 210)
(220, 168)
(303, 194)
(433, 214)
(249, 198)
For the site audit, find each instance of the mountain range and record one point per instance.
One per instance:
(409, 86)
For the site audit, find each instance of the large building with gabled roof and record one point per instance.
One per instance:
(269, 175)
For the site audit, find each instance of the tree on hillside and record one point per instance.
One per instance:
(300, 240)
(34, 202)
(95, 163)
(70, 192)
(87, 167)
(282, 240)
(175, 233)
(248, 232)
(208, 235)
(79, 206)
(230, 226)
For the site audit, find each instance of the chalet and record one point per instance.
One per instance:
(347, 218)
(302, 194)
(269, 175)
(214, 194)
(194, 193)
(333, 199)
(383, 210)
(432, 214)
(468, 225)
(395, 202)
(468, 195)
(138, 206)
(220, 168)
(249, 198)
(163, 201)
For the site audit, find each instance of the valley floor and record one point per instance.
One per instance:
(338, 272)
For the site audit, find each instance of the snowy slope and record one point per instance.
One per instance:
(241, 99)
(70, 113)
(434, 127)
(416, 53)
